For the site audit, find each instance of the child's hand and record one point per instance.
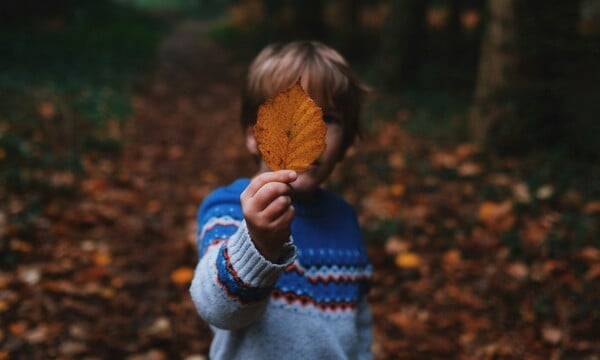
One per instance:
(268, 210)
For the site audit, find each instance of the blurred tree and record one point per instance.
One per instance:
(16, 11)
(530, 65)
(494, 104)
(350, 43)
(402, 43)
(308, 20)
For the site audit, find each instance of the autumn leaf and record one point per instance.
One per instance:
(102, 259)
(408, 260)
(290, 130)
(491, 212)
(182, 275)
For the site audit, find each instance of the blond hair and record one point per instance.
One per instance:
(326, 74)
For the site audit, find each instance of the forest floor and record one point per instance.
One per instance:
(471, 261)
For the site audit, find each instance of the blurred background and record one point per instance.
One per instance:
(477, 181)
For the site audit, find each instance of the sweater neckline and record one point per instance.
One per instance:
(316, 207)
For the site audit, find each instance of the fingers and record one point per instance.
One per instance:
(281, 176)
(270, 192)
(270, 202)
(276, 217)
(277, 208)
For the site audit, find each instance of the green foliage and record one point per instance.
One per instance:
(195, 8)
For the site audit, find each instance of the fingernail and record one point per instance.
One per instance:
(292, 175)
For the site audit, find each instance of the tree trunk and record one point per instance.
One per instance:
(349, 34)
(308, 21)
(525, 76)
(402, 43)
(494, 109)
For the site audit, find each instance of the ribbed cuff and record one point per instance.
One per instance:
(251, 267)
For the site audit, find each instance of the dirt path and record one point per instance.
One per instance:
(109, 277)
(185, 140)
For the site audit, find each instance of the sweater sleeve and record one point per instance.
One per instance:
(365, 333)
(232, 282)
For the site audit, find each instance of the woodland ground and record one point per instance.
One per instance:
(474, 257)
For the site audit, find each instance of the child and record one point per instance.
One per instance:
(283, 271)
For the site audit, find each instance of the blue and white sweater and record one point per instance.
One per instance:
(310, 305)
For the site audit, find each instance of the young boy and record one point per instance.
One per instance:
(283, 272)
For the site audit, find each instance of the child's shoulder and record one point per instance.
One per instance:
(227, 194)
(233, 189)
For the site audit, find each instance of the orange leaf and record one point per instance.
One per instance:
(17, 328)
(492, 212)
(452, 258)
(102, 259)
(408, 260)
(182, 275)
(290, 130)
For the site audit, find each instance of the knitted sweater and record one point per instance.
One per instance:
(310, 305)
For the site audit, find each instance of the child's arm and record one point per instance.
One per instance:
(268, 211)
(236, 273)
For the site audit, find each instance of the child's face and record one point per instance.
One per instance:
(311, 179)
(319, 171)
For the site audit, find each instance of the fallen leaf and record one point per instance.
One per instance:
(30, 275)
(590, 253)
(592, 207)
(444, 159)
(521, 193)
(452, 258)
(102, 258)
(153, 206)
(290, 130)
(593, 272)
(396, 161)
(466, 150)
(71, 348)
(552, 335)
(182, 275)
(491, 211)
(46, 110)
(37, 335)
(469, 169)
(518, 270)
(160, 325)
(545, 192)
(17, 328)
(395, 245)
(397, 189)
(408, 260)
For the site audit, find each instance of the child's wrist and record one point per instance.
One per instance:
(268, 251)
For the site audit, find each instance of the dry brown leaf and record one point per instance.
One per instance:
(102, 259)
(290, 130)
(552, 335)
(182, 275)
(408, 260)
(452, 258)
(517, 270)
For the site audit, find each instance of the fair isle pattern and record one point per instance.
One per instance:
(215, 231)
(234, 286)
(316, 286)
(332, 273)
(325, 288)
(326, 280)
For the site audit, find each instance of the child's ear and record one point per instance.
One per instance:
(251, 144)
